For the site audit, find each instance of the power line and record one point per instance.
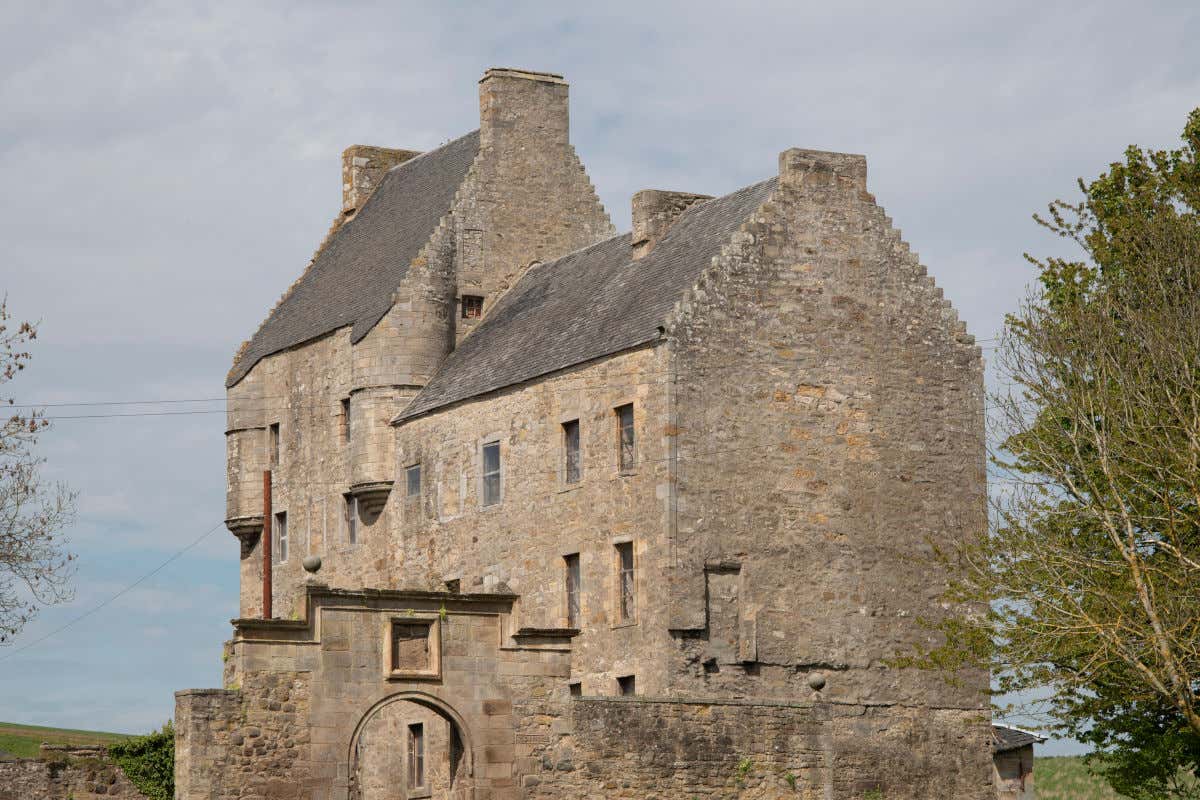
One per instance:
(124, 591)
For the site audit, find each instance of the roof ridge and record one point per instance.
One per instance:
(422, 155)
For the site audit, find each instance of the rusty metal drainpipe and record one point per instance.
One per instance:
(266, 544)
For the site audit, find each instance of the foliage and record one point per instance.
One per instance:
(149, 762)
(1089, 582)
(34, 567)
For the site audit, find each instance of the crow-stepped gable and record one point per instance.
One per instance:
(529, 509)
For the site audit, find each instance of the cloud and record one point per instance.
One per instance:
(167, 171)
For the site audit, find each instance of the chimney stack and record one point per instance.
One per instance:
(363, 168)
(654, 212)
(522, 107)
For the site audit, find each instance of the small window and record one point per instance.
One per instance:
(412, 479)
(281, 537)
(626, 583)
(273, 445)
(416, 757)
(351, 519)
(626, 686)
(571, 563)
(346, 419)
(575, 688)
(491, 473)
(571, 466)
(472, 306)
(627, 452)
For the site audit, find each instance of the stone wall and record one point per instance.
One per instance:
(66, 773)
(666, 748)
(310, 703)
(830, 419)
(519, 543)
(525, 199)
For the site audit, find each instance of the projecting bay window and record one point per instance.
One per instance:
(626, 584)
(574, 579)
(626, 448)
(491, 474)
(416, 759)
(280, 532)
(572, 468)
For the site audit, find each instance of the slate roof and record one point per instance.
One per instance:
(1005, 738)
(590, 303)
(352, 280)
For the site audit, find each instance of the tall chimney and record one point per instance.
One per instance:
(363, 168)
(522, 106)
(654, 212)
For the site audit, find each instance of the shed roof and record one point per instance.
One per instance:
(1006, 738)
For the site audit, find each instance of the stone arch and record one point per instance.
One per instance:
(457, 726)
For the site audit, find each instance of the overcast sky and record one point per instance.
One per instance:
(166, 173)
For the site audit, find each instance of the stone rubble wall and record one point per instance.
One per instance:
(662, 748)
(66, 773)
(830, 421)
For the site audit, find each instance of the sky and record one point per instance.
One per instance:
(167, 169)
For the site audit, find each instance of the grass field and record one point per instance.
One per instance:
(24, 740)
(1067, 778)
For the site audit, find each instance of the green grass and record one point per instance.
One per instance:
(24, 740)
(1067, 778)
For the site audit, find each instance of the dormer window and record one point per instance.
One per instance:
(472, 306)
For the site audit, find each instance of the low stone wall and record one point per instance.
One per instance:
(66, 773)
(660, 749)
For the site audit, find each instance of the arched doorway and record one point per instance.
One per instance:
(411, 745)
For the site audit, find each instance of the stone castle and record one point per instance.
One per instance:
(530, 509)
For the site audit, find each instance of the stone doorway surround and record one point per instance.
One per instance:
(300, 693)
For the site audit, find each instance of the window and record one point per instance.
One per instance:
(346, 419)
(281, 537)
(472, 306)
(626, 685)
(573, 585)
(571, 465)
(626, 585)
(575, 688)
(273, 445)
(412, 478)
(416, 756)
(351, 519)
(491, 473)
(410, 646)
(626, 452)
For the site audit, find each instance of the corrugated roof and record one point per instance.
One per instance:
(352, 280)
(1005, 738)
(587, 304)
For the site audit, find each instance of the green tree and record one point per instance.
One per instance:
(1089, 581)
(34, 565)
